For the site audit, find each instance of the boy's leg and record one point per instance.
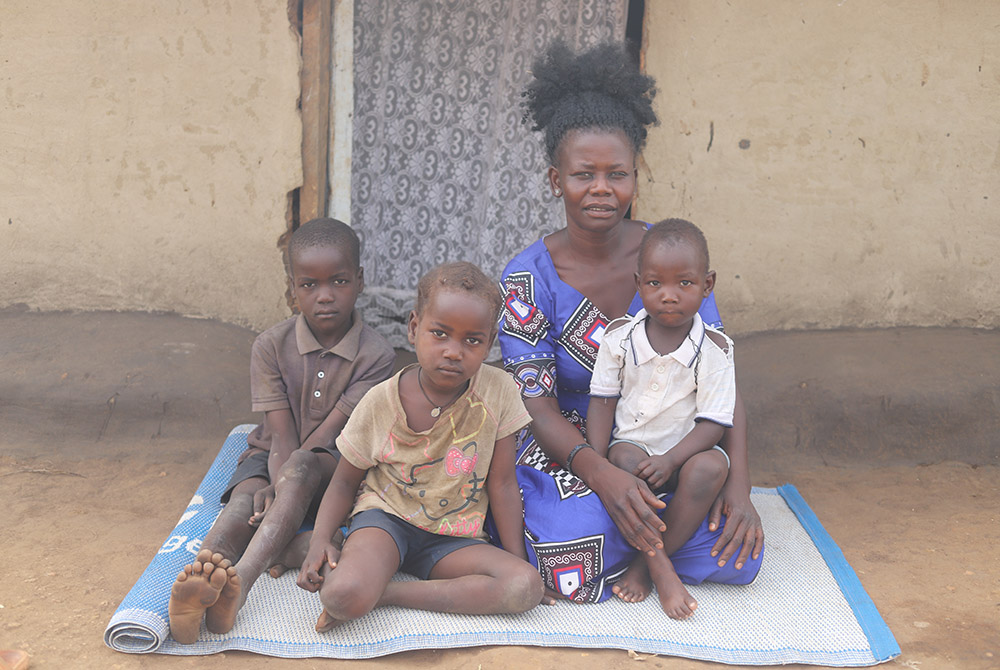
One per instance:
(699, 481)
(200, 584)
(476, 579)
(635, 585)
(299, 480)
(368, 561)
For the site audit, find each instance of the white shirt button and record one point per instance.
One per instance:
(320, 374)
(655, 387)
(317, 394)
(660, 369)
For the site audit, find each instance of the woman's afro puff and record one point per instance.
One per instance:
(598, 88)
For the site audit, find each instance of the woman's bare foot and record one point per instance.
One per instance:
(635, 585)
(196, 588)
(674, 598)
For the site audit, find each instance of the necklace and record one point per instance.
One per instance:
(435, 409)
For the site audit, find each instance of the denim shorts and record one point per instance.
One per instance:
(419, 550)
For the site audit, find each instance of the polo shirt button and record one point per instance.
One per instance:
(655, 387)
(320, 374)
(317, 394)
(660, 369)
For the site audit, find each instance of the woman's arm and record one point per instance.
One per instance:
(628, 500)
(742, 529)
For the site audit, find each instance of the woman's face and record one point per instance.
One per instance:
(596, 174)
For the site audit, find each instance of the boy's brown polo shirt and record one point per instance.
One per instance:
(290, 369)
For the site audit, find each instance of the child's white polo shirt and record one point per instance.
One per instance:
(661, 397)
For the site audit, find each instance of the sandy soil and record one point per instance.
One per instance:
(891, 436)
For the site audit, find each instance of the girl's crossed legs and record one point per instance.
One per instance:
(457, 575)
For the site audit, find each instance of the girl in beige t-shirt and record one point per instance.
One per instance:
(431, 448)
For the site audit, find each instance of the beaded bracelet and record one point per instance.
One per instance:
(572, 455)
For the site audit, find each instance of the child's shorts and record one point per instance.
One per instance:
(646, 449)
(255, 465)
(419, 550)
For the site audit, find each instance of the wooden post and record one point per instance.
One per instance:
(317, 22)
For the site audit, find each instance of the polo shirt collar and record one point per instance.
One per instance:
(347, 348)
(686, 354)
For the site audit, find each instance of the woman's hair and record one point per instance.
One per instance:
(460, 276)
(601, 87)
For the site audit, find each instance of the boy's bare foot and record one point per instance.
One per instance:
(220, 617)
(635, 585)
(674, 598)
(327, 623)
(197, 588)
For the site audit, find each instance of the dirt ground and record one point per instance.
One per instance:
(891, 436)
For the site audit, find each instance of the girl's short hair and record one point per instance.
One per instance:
(460, 276)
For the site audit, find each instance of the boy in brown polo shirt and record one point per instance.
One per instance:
(306, 374)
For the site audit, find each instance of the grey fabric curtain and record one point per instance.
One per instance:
(442, 167)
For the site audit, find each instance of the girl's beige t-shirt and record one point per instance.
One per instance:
(434, 479)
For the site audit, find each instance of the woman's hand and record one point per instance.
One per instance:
(630, 504)
(742, 529)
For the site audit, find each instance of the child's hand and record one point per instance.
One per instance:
(320, 558)
(656, 470)
(262, 500)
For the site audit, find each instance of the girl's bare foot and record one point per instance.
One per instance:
(635, 584)
(196, 588)
(13, 659)
(674, 598)
(327, 623)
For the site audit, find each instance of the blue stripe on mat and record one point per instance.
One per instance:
(883, 643)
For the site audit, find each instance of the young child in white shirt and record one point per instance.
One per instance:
(664, 385)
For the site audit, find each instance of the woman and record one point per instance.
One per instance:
(594, 109)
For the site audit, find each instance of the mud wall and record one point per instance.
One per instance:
(841, 156)
(146, 153)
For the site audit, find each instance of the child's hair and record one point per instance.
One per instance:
(598, 88)
(461, 276)
(325, 232)
(672, 232)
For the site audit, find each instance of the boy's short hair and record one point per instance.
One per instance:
(460, 276)
(325, 232)
(672, 231)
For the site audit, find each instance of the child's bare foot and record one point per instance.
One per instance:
(292, 557)
(220, 617)
(327, 623)
(674, 598)
(196, 589)
(13, 659)
(635, 584)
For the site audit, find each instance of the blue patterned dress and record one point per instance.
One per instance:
(549, 337)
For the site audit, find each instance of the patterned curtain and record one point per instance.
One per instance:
(442, 167)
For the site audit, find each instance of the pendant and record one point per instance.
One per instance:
(436, 412)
